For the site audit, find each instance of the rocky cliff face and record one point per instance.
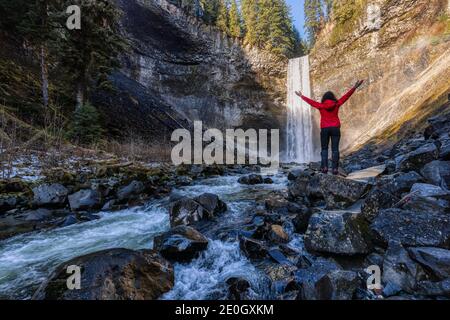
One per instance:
(402, 49)
(191, 71)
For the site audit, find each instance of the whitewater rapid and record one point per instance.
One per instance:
(27, 260)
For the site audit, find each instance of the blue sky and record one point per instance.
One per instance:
(298, 14)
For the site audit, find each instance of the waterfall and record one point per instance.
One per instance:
(299, 122)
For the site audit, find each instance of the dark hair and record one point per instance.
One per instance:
(329, 96)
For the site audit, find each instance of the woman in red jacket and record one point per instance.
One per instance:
(330, 124)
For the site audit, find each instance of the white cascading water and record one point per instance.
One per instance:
(299, 123)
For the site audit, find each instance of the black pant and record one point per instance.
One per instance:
(335, 134)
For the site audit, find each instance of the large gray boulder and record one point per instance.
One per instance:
(412, 228)
(181, 243)
(438, 173)
(342, 233)
(130, 191)
(306, 184)
(436, 260)
(50, 195)
(114, 274)
(186, 211)
(339, 192)
(86, 199)
(400, 272)
(426, 204)
(399, 182)
(416, 159)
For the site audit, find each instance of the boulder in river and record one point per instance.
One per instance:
(130, 191)
(238, 288)
(181, 243)
(186, 211)
(336, 232)
(86, 199)
(251, 179)
(412, 228)
(252, 248)
(9, 201)
(114, 274)
(436, 260)
(50, 195)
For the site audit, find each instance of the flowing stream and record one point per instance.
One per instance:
(27, 260)
(299, 122)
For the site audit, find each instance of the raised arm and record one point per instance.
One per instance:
(347, 96)
(309, 101)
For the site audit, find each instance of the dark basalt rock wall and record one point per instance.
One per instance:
(180, 70)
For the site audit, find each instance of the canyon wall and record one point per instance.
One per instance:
(401, 48)
(195, 72)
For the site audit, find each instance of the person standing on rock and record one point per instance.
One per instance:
(330, 124)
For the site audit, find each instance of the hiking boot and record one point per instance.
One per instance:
(324, 170)
(335, 172)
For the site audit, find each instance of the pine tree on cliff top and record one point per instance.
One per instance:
(250, 11)
(223, 18)
(313, 18)
(235, 20)
(210, 10)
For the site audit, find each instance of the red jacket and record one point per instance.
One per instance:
(329, 109)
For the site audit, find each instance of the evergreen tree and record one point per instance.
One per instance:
(313, 18)
(250, 12)
(222, 17)
(210, 10)
(91, 53)
(85, 126)
(235, 20)
(300, 46)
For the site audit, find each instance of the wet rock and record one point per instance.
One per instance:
(429, 190)
(438, 173)
(337, 233)
(307, 278)
(14, 185)
(337, 285)
(251, 179)
(68, 221)
(186, 211)
(412, 228)
(50, 194)
(277, 234)
(238, 288)
(37, 215)
(130, 191)
(184, 180)
(279, 257)
(434, 289)
(436, 260)
(301, 219)
(276, 202)
(294, 173)
(377, 199)
(114, 274)
(268, 180)
(339, 193)
(213, 170)
(400, 272)
(416, 159)
(252, 248)
(211, 203)
(181, 243)
(86, 199)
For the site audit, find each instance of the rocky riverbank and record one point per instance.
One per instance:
(232, 234)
